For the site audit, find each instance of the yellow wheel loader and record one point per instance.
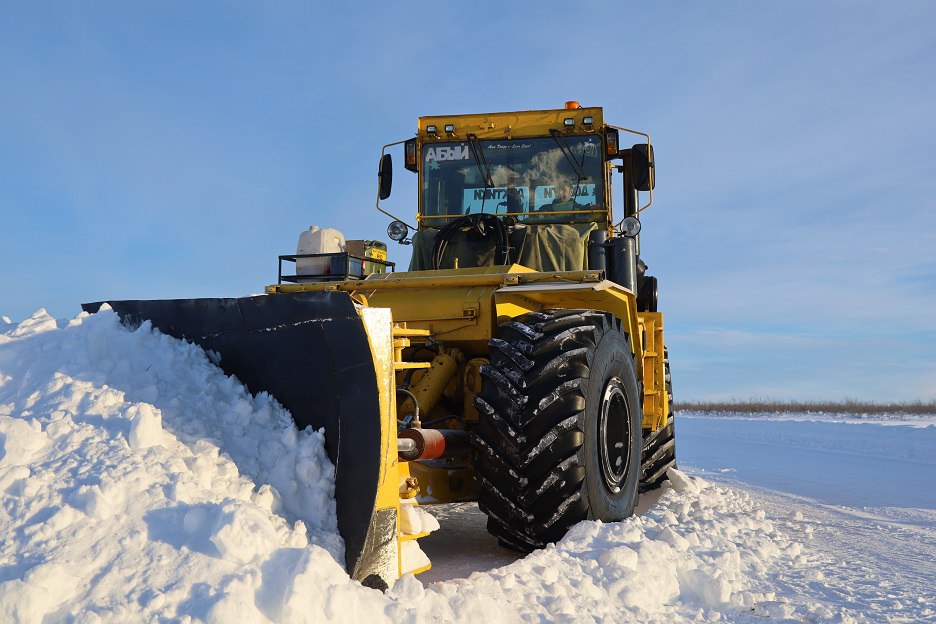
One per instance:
(519, 362)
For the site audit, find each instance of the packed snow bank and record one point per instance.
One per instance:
(861, 495)
(139, 483)
(895, 419)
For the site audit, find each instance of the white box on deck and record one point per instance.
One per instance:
(318, 240)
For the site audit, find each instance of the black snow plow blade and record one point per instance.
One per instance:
(311, 352)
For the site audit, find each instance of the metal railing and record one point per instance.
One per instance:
(341, 266)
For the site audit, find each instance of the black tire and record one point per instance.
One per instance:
(558, 436)
(659, 448)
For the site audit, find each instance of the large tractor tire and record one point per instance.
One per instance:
(659, 448)
(559, 435)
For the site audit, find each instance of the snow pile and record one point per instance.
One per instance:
(139, 483)
(137, 479)
(692, 556)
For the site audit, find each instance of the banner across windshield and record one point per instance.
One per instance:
(530, 178)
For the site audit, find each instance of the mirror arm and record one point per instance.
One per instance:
(383, 151)
(646, 136)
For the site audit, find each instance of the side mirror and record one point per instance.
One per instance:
(385, 177)
(643, 167)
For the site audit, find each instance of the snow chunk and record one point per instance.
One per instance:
(414, 519)
(38, 323)
(681, 482)
(243, 534)
(319, 585)
(21, 441)
(705, 587)
(618, 561)
(412, 557)
(145, 427)
(39, 593)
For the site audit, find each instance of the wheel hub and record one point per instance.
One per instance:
(614, 435)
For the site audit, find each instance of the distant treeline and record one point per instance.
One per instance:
(847, 406)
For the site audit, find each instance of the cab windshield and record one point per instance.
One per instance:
(556, 179)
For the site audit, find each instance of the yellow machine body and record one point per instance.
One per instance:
(463, 307)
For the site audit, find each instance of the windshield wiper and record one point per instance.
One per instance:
(567, 152)
(576, 166)
(475, 146)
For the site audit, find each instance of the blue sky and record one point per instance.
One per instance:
(174, 149)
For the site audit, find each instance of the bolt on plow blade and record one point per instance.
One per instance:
(312, 352)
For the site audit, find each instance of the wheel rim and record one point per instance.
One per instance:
(614, 435)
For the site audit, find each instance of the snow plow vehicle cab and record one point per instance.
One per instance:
(519, 362)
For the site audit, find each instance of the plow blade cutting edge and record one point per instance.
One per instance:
(313, 352)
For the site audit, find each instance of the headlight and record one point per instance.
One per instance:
(630, 227)
(397, 231)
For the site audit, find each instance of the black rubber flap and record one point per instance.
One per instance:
(309, 351)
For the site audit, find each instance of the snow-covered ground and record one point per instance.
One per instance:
(138, 483)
